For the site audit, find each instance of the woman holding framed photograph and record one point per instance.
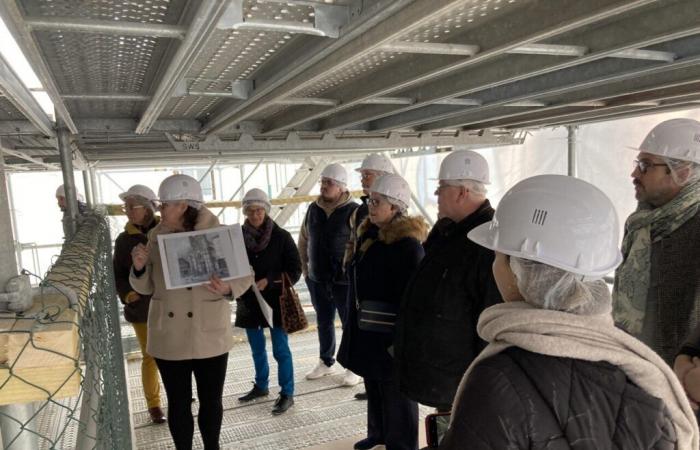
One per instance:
(189, 329)
(272, 253)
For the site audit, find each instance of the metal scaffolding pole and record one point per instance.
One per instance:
(8, 262)
(71, 215)
(88, 189)
(16, 421)
(572, 149)
(96, 196)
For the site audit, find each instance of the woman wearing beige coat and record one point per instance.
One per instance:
(189, 329)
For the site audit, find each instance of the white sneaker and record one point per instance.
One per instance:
(350, 379)
(321, 370)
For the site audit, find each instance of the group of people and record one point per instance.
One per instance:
(500, 317)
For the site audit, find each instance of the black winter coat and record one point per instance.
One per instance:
(523, 400)
(380, 270)
(280, 255)
(436, 337)
(135, 311)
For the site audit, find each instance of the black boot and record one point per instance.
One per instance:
(282, 404)
(361, 396)
(254, 393)
(367, 444)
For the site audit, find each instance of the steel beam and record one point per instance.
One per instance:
(361, 37)
(543, 20)
(658, 26)
(580, 86)
(431, 48)
(109, 27)
(571, 140)
(202, 27)
(25, 157)
(107, 97)
(14, 20)
(18, 94)
(549, 49)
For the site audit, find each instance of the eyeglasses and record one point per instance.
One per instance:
(644, 166)
(374, 202)
(127, 208)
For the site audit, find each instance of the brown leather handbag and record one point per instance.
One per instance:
(293, 317)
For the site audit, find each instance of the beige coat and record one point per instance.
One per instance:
(187, 323)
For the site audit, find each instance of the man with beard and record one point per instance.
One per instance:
(656, 297)
(322, 241)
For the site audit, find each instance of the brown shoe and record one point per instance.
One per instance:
(156, 414)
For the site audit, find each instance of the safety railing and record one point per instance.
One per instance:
(62, 374)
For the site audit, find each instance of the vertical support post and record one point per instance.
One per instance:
(572, 131)
(8, 261)
(96, 195)
(88, 189)
(18, 427)
(71, 215)
(89, 407)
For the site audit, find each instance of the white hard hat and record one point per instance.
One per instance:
(61, 192)
(675, 139)
(256, 197)
(139, 190)
(377, 162)
(556, 220)
(464, 165)
(335, 172)
(180, 187)
(393, 186)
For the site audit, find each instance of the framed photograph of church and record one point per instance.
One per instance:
(191, 258)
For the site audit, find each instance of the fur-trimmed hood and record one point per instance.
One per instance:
(399, 228)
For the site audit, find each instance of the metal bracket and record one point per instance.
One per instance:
(328, 21)
(240, 89)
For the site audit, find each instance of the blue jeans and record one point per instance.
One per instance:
(282, 354)
(326, 298)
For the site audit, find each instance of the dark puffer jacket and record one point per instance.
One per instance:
(136, 311)
(280, 255)
(380, 270)
(436, 337)
(523, 400)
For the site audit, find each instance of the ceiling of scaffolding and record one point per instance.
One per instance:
(146, 81)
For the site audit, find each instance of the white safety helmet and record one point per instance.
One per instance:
(335, 172)
(392, 186)
(256, 197)
(139, 190)
(556, 220)
(180, 187)
(676, 139)
(464, 165)
(61, 192)
(376, 162)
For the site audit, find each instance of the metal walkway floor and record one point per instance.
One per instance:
(325, 415)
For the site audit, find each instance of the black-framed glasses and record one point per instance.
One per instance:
(644, 166)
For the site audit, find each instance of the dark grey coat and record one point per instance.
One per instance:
(523, 400)
(673, 302)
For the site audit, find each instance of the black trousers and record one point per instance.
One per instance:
(210, 374)
(392, 418)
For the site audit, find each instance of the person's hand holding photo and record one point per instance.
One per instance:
(217, 286)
